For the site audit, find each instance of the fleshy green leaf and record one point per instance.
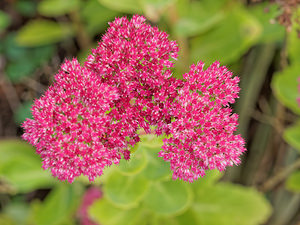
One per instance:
(105, 213)
(156, 168)
(42, 32)
(135, 165)
(58, 207)
(224, 204)
(285, 87)
(96, 16)
(292, 136)
(57, 7)
(228, 41)
(125, 191)
(199, 17)
(4, 20)
(23, 112)
(21, 167)
(127, 6)
(293, 182)
(266, 14)
(168, 198)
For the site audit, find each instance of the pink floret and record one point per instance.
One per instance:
(202, 133)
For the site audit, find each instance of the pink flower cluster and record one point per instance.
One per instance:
(89, 118)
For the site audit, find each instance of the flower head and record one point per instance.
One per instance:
(136, 58)
(202, 132)
(71, 127)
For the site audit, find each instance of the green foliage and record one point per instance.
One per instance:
(285, 87)
(4, 20)
(224, 204)
(292, 136)
(127, 6)
(23, 112)
(293, 182)
(22, 62)
(57, 7)
(58, 207)
(96, 16)
(234, 35)
(42, 32)
(20, 167)
(129, 201)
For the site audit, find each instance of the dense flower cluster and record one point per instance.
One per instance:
(202, 133)
(89, 118)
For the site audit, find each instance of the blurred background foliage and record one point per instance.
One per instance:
(247, 36)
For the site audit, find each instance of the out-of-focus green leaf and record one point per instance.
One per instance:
(23, 112)
(18, 70)
(266, 14)
(126, 6)
(293, 182)
(293, 43)
(105, 213)
(125, 191)
(26, 7)
(4, 20)
(228, 41)
(199, 17)
(96, 16)
(57, 7)
(168, 198)
(135, 164)
(42, 32)
(6, 220)
(21, 167)
(225, 204)
(23, 61)
(18, 211)
(285, 87)
(58, 207)
(292, 136)
(210, 178)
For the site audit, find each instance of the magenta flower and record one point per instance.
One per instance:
(71, 128)
(89, 197)
(89, 118)
(136, 58)
(202, 131)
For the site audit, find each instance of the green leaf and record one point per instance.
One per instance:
(225, 204)
(58, 207)
(293, 182)
(125, 6)
(168, 198)
(125, 191)
(293, 43)
(18, 70)
(135, 165)
(285, 87)
(105, 213)
(266, 14)
(292, 135)
(23, 112)
(21, 167)
(96, 16)
(199, 17)
(18, 211)
(156, 168)
(228, 41)
(26, 7)
(41, 32)
(210, 178)
(4, 20)
(57, 7)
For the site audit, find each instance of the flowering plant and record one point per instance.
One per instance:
(90, 117)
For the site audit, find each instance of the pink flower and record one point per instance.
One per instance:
(202, 132)
(74, 128)
(89, 197)
(136, 58)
